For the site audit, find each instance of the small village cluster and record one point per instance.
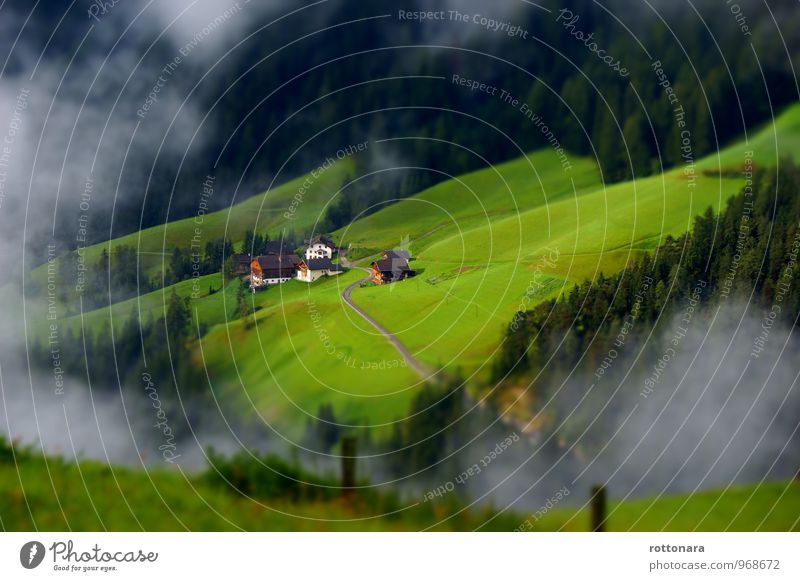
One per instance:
(280, 264)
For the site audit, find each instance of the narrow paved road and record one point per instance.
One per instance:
(420, 368)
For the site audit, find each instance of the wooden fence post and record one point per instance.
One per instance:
(348, 465)
(598, 509)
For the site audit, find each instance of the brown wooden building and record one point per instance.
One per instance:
(388, 270)
(273, 269)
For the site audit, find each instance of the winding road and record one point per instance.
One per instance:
(425, 372)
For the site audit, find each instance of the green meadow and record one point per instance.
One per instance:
(483, 253)
(51, 494)
(264, 212)
(486, 245)
(304, 347)
(301, 347)
(768, 506)
(210, 303)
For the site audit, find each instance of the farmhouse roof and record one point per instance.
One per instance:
(278, 261)
(321, 239)
(400, 254)
(322, 264)
(392, 265)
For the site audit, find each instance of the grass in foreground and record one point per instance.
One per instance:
(770, 506)
(50, 494)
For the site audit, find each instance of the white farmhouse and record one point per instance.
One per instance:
(319, 247)
(311, 269)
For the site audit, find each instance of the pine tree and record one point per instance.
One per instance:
(578, 121)
(247, 243)
(178, 316)
(702, 135)
(638, 144)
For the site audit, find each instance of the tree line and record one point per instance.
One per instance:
(121, 274)
(751, 247)
(376, 84)
(110, 361)
(589, 107)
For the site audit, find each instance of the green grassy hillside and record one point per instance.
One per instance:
(301, 348)
(476, 267)
(307, 348)
(263, 212)
(487, 244)
(210, 307)
(472, 201)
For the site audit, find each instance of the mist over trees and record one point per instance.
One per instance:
(272, 111)
(747, 255)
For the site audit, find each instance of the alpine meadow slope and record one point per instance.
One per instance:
(486, 245)
(479, 267)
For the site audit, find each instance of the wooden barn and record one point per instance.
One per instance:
(241, 264)
(273, 269)
(397, 254)
(388, 270)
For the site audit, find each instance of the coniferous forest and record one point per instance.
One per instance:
(752, 258)
(359, 87)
